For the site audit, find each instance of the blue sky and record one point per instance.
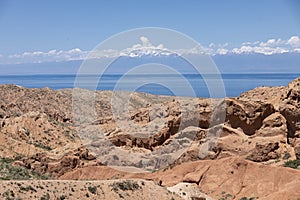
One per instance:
(34, 25)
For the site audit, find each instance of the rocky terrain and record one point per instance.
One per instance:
(149, 146)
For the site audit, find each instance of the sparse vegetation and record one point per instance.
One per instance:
(125, 185)
(9, 195)
(28, 188)
(245, 198)
(11, 172)
(292, 164)
(45, 197)
(92, 189)
(39, 145)
(224, 196)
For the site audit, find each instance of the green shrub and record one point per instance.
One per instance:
(45, 197)
(27, 188)
(126, 185)
(245, 198)
(9, 195)
(292, 164)
(92, 189)
(62, 197)
(11, 172)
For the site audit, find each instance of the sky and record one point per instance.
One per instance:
(76, 27)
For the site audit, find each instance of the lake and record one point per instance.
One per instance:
(234, 84)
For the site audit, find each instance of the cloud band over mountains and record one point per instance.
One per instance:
(269, 47)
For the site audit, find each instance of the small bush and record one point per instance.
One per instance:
(245, 198)
(292, 164)
(9, 195)
(45, 197)
(126, 185)
(27, 188)
(62, 197)
(92, 189)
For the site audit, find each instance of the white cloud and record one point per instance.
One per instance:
(145, 47)
(269, 47)
(272, 43)
(297, 50)
(211, 45)
(294, 41)
(222, 51)
(250, 43)
(108, 53)
(259, 49)
(145, 42)
(50, 56)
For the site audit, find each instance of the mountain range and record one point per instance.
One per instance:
(229, 63)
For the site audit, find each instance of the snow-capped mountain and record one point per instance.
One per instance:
(152, 52)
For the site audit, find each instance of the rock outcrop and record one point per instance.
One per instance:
(62, 133)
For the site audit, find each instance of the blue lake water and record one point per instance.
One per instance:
(234, 84)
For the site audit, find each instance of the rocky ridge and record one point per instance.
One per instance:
(261, 127)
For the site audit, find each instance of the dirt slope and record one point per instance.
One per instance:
(235, 176)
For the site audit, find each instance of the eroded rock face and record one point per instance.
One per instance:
(247, 115)
(261, 125)
(293, 93)
(264, 152)
(290, 109)
(42, 163)
(273, 125)
(297, 148)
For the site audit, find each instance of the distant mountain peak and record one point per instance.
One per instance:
(148, 52)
